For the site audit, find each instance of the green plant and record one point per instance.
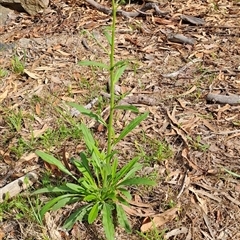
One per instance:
(18, 207)
(154, 150)
(197, 144)
(154, 234)
(102, 185)
(14, 120)
(18, 66)
(3, 73)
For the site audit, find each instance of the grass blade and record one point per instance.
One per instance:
(232, 173)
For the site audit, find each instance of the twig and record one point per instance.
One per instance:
(185, 184)
(175, 74)
(146, 7)
(223, 99)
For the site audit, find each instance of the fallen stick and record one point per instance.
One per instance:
(146, 7)
(18, 185)
(182, 69)
(223, 99)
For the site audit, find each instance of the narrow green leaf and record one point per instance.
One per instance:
(132, 171)
(123, 171)
(48, 206)
(96, 155)
(125, 193)
(137, 181)
(93, 64)
(78, 215)
(88, 186)
(65, 201)
(232, 173)
(119, 72)
(131, 126)
(122, 200)
(76, 188)
(120, 64)
(87, 112)
(122, 218)
(53, 190)
(90, 198)
(52, 160)
(108, 36)
(93, 213)
(108, 221)
(127, 108)
(84, 168)
(114, 167)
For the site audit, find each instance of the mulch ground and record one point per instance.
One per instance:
(204, 136)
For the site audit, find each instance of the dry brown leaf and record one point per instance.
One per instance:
(44, 68)
(37, 133)
(160, 219)
(139, 204)
(209, 125)
(2, 234)
(201, 201)
(63, 53)
(5, 156)
(189, 124)
(181, 133)
(138, 212)
(26, 158)
(52, 227)
(221, 110)
(38, 109)
(3, 95)
(31, 74)
(189, 91)
(185, 156)
(175, 232)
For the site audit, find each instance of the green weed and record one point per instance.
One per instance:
(18, 66)
(154, 234)
(102, 187)
(18, 207)
(15, 120)
(197, 144)
(154, 150)
(3, 73)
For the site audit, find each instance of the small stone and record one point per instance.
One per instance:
(33, 7)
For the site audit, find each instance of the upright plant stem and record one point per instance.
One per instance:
(112, 70)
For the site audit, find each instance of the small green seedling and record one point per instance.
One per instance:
(3, 73)
(17, 65)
